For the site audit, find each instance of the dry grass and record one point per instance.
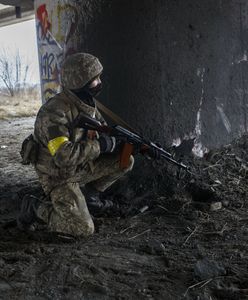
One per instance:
(23, 105)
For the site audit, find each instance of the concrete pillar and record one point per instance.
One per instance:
(173, 69)
(57, 24)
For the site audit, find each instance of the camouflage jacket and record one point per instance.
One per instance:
(63, 149)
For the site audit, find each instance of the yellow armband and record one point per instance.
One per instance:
(54, 144)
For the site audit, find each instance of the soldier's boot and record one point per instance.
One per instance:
(28, 213)
(95, 204)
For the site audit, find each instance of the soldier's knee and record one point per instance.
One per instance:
(82, 229)
(88, 228)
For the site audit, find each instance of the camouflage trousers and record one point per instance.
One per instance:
(66, 211)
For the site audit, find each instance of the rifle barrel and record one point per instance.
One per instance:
(181, 165)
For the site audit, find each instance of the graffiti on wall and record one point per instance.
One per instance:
(56, 24)
(42, 16)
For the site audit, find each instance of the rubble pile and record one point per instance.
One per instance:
(224, 173)
(217, 180)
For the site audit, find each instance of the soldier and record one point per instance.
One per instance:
(72, 157)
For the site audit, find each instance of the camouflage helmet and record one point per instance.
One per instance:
(78, 69)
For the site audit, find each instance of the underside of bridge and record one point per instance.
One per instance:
(12, 12)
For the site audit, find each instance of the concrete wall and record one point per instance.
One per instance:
(173, 69)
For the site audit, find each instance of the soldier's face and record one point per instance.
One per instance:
(95, 82)
(95, 86)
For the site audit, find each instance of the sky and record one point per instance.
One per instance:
(22, 36)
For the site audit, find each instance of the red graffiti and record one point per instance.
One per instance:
(42, 16)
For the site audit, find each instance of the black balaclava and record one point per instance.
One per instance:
(86, 94)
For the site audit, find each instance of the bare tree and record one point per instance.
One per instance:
(14, 71)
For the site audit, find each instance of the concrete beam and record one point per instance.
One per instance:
(21, 3)
(15, 14)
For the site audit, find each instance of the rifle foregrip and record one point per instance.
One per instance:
(125, 154)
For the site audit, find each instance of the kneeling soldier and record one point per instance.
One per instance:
(71, 157)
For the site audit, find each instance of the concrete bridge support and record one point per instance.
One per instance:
(173, 69)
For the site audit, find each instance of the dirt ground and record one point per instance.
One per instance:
(170, 238)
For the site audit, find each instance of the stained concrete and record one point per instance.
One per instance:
(174, 69)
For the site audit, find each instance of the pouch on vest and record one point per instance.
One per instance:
(29, 150)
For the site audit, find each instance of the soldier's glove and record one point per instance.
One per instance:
(107, 143)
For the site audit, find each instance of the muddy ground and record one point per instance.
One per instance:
(170, 238)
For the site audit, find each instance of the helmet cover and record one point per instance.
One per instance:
(79, 69)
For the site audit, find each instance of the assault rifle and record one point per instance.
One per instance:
(130, 140)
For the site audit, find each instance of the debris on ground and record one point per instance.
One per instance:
(174, 236)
